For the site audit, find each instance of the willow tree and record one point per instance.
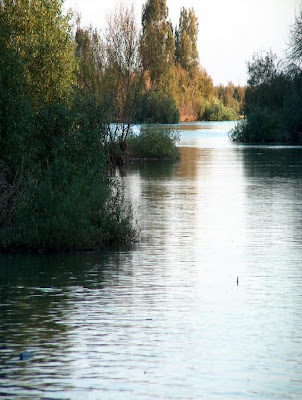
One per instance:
(186, 39)
(158, 42)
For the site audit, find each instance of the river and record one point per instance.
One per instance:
(166, 319)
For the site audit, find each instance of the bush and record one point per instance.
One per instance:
(64, 199)
(66, 207)
(216, 111)
(153, 143)
(158, 108)
(262, 125)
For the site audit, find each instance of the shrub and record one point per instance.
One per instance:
(153, 143)
(64, 199)
(63, 208)
(262, 125)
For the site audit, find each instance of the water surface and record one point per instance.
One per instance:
(166, 319)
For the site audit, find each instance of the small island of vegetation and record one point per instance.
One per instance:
(273, 98)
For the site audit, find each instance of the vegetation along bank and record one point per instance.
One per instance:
(68, 98)
(273, 98)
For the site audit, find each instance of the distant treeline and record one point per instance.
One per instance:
(169, 83)
(273, 98)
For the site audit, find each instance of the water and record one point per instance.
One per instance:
(166, 320)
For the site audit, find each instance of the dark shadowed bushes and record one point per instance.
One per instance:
(158, 108)
(65, 198)
(273, 98)
(262, 126)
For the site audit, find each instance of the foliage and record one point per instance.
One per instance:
(90, 53)
(273, 101)
(216, 111)
(16, 112)
(40, 34)
(123, 70)
(153, 143)
(157, 42)
(186, 52)
(263, 125)
(231, 96)
(295, 49)
(262, 69)
(123, 77)
(191, 91)
(66, 205)
(158, 108)
(55, 190)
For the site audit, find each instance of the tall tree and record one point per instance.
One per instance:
(36, 72)
(124, 75)
(40, 34)
(186, 39)
(158, 42)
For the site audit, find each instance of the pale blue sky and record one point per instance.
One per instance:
(230, 31)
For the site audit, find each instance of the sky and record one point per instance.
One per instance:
(230, 31)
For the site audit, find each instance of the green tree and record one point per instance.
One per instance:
(157, 43)
(40, 34)
(16, 121)
(186, 39)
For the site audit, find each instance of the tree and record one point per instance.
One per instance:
(262, 68)
(40, 34)
(15, 107)
(295, 47)
(90, 52)
(36, 71)
(124, 75)
(186, 39)
(55, 192)
(90, 103)
(157, 43)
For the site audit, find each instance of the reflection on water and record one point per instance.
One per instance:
(166, 319)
